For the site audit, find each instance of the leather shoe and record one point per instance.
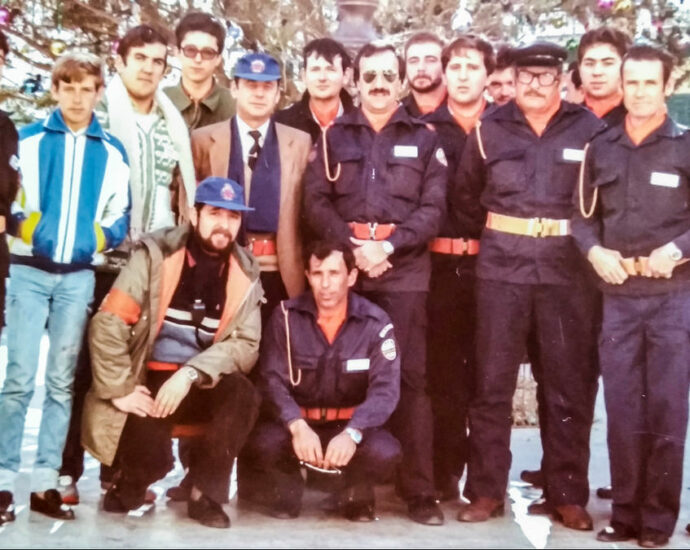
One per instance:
(283, 508)
(605, 492)
(540, 507)
(207, 512)
(424, 510)
(6, 507)
(573, 516)
(533, 477)
(651, 538)
(616, 532)
(481, 510)
(358, 503)
(51, 505)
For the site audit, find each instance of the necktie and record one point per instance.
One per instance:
(253, 155)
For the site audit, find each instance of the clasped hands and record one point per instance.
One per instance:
(608, 264)
(307, 447)
(370, 257)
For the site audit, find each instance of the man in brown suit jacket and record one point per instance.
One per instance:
(268, 159)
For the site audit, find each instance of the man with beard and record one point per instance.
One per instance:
(518, 172)
(378, 185)
(326, 71)
(424, 74)
(501, 82)
(450, 336)
(172, 344)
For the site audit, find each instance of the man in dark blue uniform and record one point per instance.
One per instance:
(521, 166)
(450, 336)
(378, 185)
(634, 227)
(330, 373)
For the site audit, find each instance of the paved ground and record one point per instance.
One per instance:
(168, 526)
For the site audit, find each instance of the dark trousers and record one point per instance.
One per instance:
(412, 421)
(644, 350)
(73, 453)
(450, 361)
(270, 449)
(562, 319)
(144, 455)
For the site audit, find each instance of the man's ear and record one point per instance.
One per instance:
(352, 277)
(193, 215)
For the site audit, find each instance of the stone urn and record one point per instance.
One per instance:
(356, 26)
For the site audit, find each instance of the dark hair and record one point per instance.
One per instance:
(373, 48)
(329, 49)
(575, 74)
(322, 249)
(140, 36)
(73, 67)
(650, 53)
(604, 35)
(503, 58)
(470, 42)
(201, 22)
(423, 37)
(4, 44)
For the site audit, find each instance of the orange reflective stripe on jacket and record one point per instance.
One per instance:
(123, 305)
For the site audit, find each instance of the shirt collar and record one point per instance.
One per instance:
(56, 123)
(243, 128)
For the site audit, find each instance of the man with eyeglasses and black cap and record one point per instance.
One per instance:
(198, 95)
(172, 344)
(378, 185)
(517, 175)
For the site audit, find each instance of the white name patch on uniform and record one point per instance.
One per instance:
(573, 155)
(357, 365)
(405, 151)
(665, 180)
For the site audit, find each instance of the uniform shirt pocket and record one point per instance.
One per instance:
(507, 171)
(404, 177)
(350, 161)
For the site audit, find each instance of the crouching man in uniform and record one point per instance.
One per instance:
(330, 371)
(171, 344)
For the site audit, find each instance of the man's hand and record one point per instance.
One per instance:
(660, 263)
(138, 402)
(379, 269)
(370, 256)
(306, 443)
(171, 394)
(340, 451)
(607, 264)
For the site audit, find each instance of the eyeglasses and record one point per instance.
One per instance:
(192, 51)
(370, 76)
(544, 79)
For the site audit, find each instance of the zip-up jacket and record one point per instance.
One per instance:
(73, 201)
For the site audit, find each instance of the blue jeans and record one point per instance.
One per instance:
(34, 297)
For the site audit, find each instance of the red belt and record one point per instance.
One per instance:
(262, 247)
(158, 365)
(372, 231)
(324, 414)
(457, 247)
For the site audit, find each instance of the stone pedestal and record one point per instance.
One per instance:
(356, 26)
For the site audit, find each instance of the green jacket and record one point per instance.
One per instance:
(122, 333)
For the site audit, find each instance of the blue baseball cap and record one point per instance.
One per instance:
(257, 66)
(222, 193)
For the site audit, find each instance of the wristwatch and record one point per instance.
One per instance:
(675, 253)
(388, 248)
(191, 373)
(354, 434)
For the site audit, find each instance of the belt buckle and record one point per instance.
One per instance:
(323, 411)
(545, 227)
(372, 230)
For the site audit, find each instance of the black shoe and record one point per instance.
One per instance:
(424, 510)
(208, 513)
(282, 508)
(533, 477)
(180, 493)
(51, 505)
(616, 532)
(539, 507)
(112, 502)
(358, 503)
(651, 538)
(6, 507)
(605, 492)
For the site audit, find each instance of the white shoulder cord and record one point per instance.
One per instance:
(289, 351)
(479, 139)
(581, 189)
(325, 159)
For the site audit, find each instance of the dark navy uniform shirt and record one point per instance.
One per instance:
(361, 368)
(397, 175)
(643, 200)
(526, 176)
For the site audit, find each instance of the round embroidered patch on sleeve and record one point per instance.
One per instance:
(441, 157)
(388, 349)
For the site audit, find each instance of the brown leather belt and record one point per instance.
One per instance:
(161, 366)
(457, 247)
(372, 231)
(262, 245)
(324, 414)
(530, 227)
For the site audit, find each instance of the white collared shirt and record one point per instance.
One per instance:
(246, 140)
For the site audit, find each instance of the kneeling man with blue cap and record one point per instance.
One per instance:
(171, 346)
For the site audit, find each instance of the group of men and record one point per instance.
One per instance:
(439, 239)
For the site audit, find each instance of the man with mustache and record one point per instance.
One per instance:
(424, 73)
(378, 185)
(517, 176)
(172, 344)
